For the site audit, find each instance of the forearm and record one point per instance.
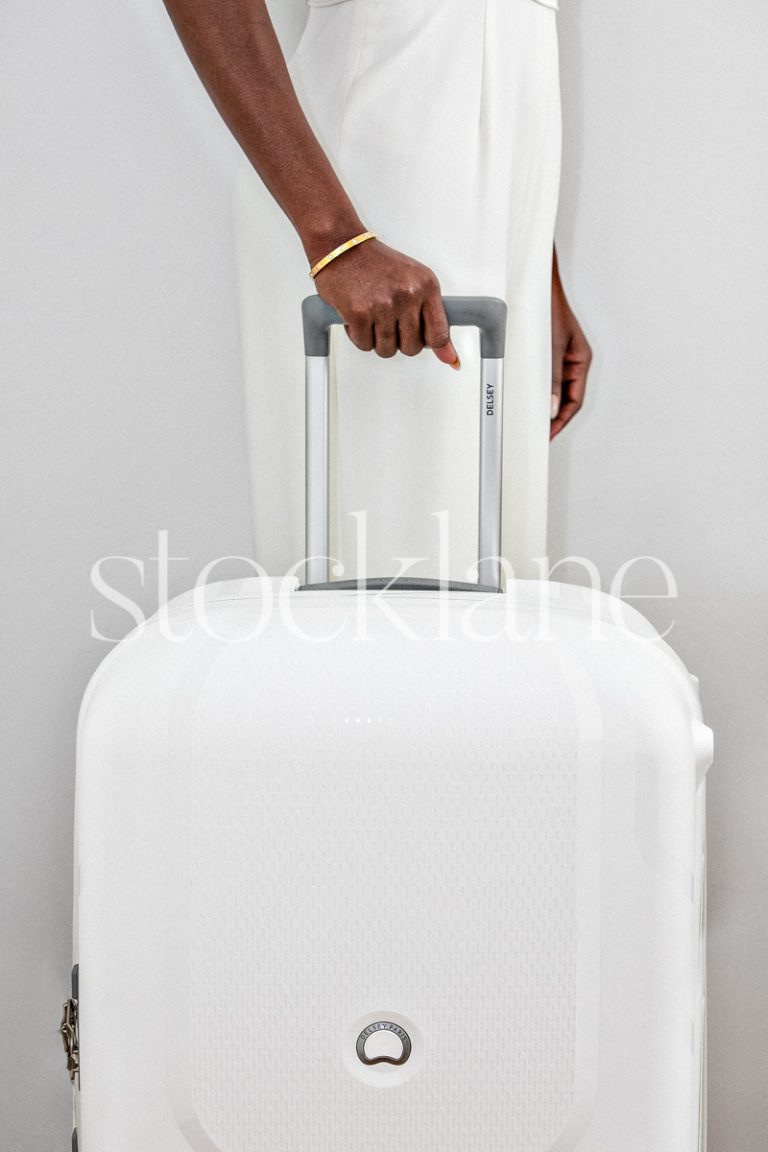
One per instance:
(235, 51)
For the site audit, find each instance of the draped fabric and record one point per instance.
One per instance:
(442, 119)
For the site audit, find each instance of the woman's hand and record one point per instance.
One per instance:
(571, 358)
(387, 301)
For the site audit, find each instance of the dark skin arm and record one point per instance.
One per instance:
(388, 300)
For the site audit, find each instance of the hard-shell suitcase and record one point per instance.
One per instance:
(415, 869)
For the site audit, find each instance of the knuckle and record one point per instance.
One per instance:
(370, 311)
(406, 292)
(382, 304)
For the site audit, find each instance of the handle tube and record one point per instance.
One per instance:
(317, 536)
(489, 315)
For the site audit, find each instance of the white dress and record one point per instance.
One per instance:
(442, 119)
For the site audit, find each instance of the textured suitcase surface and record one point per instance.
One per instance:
(496, 846)
(406, 869)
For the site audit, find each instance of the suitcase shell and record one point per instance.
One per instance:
(497, 845)
(415, 869)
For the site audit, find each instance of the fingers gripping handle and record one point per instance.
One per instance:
(489, 314)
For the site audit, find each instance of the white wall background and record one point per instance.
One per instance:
(122, 415)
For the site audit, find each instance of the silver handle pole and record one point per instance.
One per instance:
(317, 492)
(491, 460)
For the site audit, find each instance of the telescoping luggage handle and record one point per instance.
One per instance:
(489, 314)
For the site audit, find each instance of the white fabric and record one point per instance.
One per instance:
(442, 119)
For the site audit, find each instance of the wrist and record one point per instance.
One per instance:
(321, 236)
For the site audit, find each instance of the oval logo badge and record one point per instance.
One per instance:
(376, 1042)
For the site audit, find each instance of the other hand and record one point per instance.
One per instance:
(571, 359)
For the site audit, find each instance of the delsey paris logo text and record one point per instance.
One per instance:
(489, 399)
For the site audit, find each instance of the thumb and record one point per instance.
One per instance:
(437, 334)
(448, 354)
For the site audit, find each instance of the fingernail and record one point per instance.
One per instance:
(554, 407)
(456, 364)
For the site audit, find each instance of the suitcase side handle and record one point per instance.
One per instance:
(489, 314)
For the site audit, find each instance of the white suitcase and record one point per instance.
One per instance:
(417, 870)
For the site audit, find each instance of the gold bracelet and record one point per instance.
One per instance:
(338, 251)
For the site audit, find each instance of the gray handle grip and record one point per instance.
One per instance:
(488, 313)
